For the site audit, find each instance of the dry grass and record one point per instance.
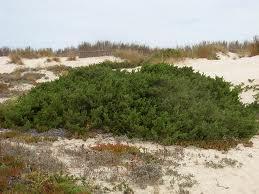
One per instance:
(59, 69)
(72, 58)
(131, 56)
(4, 87)
(221, 145)
(254, 47)
(53, 59)
(116, 148)
(25, 137)
(23, 170)
(224, 162)
(15, 59)
(21, 76)
(30, 53)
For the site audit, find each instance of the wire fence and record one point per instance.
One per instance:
(97, 53)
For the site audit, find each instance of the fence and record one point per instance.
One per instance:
(98, 53)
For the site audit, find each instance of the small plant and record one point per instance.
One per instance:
(59, 69)
(148, 174)
(15, 59)
(254, 47)
(131, 56)
(3, 87)
(224, 162)
(53, 59)
(56, 59)
(72, 58)
(116, 148)
(25, 137)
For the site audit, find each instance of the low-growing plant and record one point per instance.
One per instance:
(26, 137)
(3, 87)
(132, 56)
(24, 171)
(148, 174)
(160, 102)
(72, 58)
(59, 69)
(53, 59)
(119, 65)
(116, 148)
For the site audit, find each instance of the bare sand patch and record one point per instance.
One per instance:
(234, 70)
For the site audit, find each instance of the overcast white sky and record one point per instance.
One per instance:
(164, 23)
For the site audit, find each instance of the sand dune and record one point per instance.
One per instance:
(232, 69)
(6, 67)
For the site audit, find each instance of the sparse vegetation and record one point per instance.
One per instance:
(72, 58)
(224, 162)
(140, 53)
(160, 103)
(29, 53)
(21, 76)
(21, 172)
(116, 148)
(254, 47)
(25, 137)
(59, 69)
(15, 59)
(132, 56)
(53, 59)
(3, 87)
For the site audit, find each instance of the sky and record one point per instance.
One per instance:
(157, 23)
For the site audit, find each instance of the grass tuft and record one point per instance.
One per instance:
(15, 59)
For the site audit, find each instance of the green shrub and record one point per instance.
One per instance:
(160, 102)
(119, 65)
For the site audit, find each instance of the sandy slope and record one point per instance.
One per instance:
(232, 69)
(5, 67)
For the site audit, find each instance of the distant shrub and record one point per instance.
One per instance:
(207, 50)
(132, 56)
(254, 47)
(59, 69)
(15, 59)
(30, 53)
(53, 59)
(160, 102)
(72, 58)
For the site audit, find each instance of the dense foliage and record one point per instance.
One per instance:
(160, 102)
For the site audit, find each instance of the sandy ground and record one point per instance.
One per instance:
(231, 68)
(184, 170)
(6, 67)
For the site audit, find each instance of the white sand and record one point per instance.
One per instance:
(240, 178)
(41, 63)
(5, 67)
(231, 69)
